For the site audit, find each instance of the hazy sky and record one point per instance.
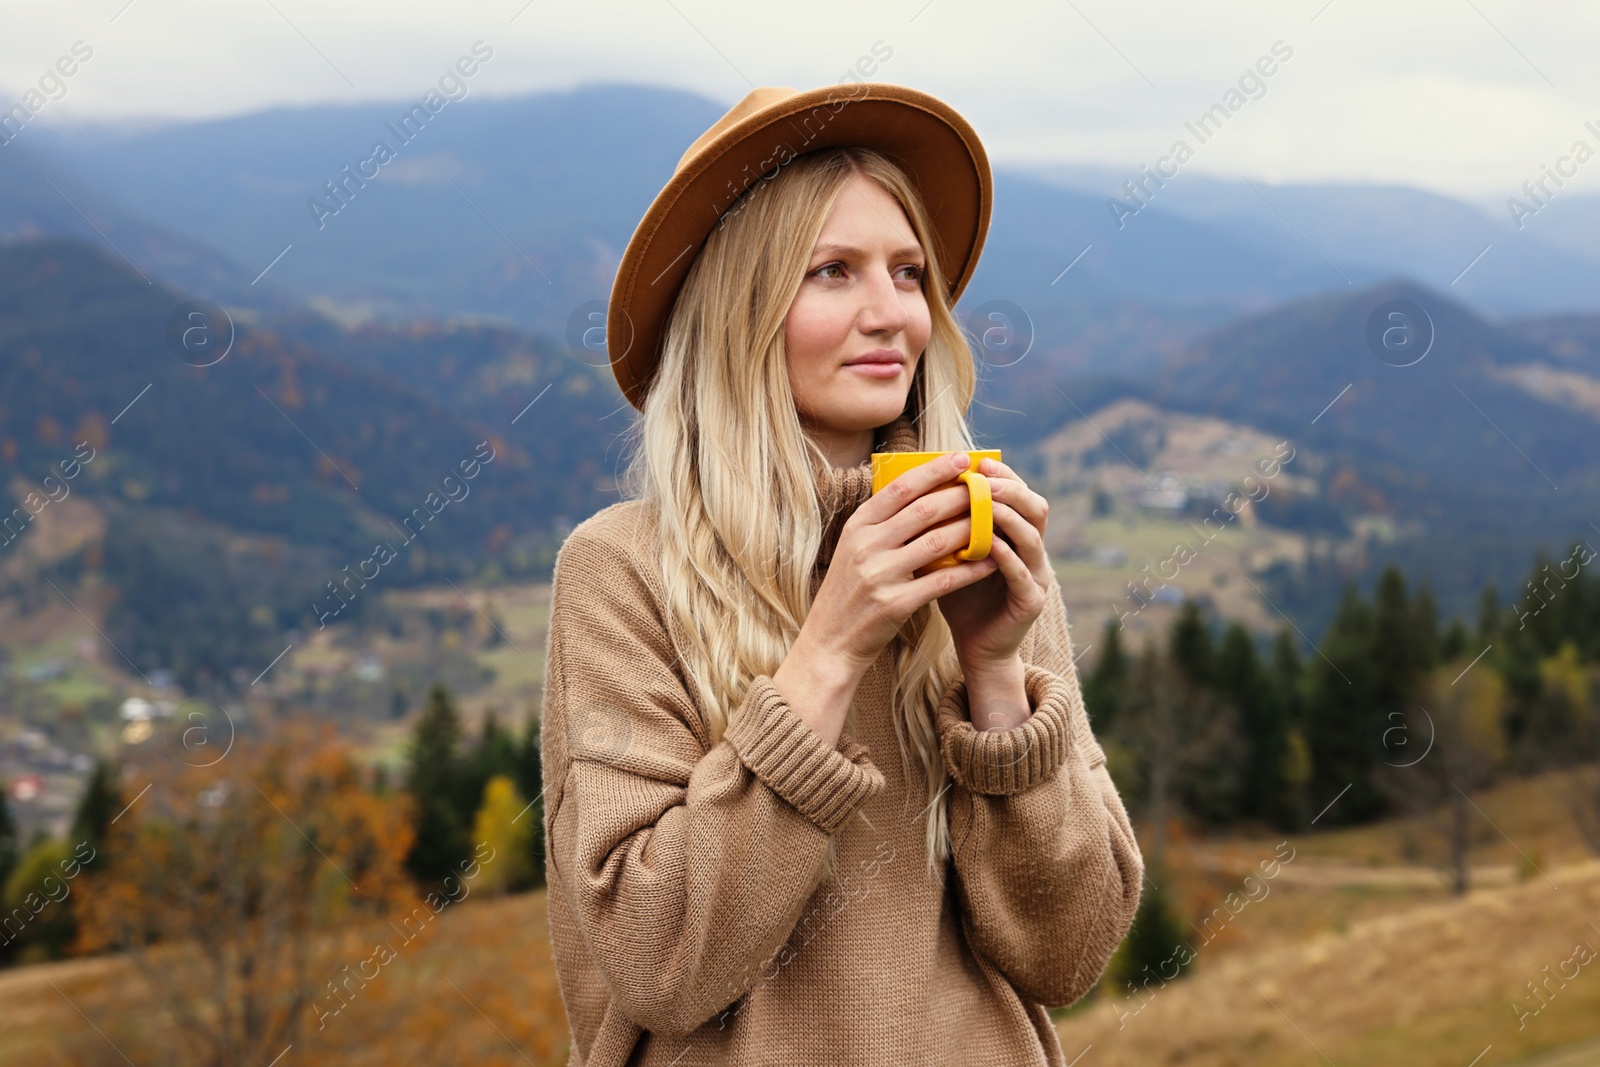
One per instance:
(1469, 97)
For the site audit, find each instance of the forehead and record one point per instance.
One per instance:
(867, 217)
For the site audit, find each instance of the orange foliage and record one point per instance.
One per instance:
(262, 905)
(93, 428)
(220, 881)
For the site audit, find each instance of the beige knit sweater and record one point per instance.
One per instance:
(692, 916)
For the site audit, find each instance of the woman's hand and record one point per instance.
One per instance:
(989, 618)
(870, 588)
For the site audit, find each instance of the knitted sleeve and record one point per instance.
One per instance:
(686, 864)
(1048, 871)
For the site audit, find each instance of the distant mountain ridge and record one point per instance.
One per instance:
(516, 210)
(276, 438)
(1552, 263)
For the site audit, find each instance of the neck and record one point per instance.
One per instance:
(849, 448)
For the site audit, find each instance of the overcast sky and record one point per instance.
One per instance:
(1468, 97)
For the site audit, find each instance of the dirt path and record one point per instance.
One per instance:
(1586, 1054)
(1322, 874)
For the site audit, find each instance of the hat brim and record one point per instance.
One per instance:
(937, 148)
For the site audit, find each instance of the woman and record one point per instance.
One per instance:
(795, 813)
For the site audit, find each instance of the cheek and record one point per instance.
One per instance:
(921, 326)
(811, 332)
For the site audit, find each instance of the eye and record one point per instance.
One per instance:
(818, 273)
(916, 271)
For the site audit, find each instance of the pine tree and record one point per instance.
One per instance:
(1288, 680)
(434, 781)
(1106, 688)
(495, 753)
(1210, 770)
(10, 847)
(1454, 644)
(1395, 644)
(1241, 681)
(96, 809)
(1343, 730)
(1516, 658)
(1155, 951)
(1536, 607)
(1190, 643)
(1488, 616)
(530, 780)
(1425, 610)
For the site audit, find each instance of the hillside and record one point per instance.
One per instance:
(1472, 445)
(1365, 969)
(267, 474)
(312, 441)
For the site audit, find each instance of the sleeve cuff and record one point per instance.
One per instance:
(1002, 762)
(824, 784)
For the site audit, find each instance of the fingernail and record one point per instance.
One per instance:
(959, 460)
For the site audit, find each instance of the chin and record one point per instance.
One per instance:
(875, 406)
(858, 405)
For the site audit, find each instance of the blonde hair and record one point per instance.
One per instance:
(720, 451)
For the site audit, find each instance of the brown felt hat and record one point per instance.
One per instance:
(936, 147)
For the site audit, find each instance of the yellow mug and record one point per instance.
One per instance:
(887, 466)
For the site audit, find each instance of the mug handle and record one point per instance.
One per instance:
(982, 516)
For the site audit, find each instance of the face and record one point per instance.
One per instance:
(859, 323)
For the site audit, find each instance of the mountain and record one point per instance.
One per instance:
(41, 199)
(1484, 444)
(466, 221)
(511, 209)
(276, 464)
(1573, 338)
(1549, 264)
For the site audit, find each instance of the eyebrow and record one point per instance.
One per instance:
(905, 252)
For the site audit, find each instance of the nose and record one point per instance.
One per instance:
(882, 310)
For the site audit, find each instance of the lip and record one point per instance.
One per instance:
(875, 370)
(879, 356)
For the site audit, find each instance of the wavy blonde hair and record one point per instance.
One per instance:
(720, 450)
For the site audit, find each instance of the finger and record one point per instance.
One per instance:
(1027, 503)
(1020, 579)
(1024, 536)
(942, 540)
(930, 511)
(945, 580)
(1007, 485)
(993, 468)
(912, 484)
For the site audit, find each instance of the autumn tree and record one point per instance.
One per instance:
(226, 882)
(503, 823)
(1577, 687)
(1454, 744)
(1180, 739)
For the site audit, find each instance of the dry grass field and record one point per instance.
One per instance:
(1355, 955)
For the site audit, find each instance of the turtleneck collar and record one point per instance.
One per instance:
(840, 490)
